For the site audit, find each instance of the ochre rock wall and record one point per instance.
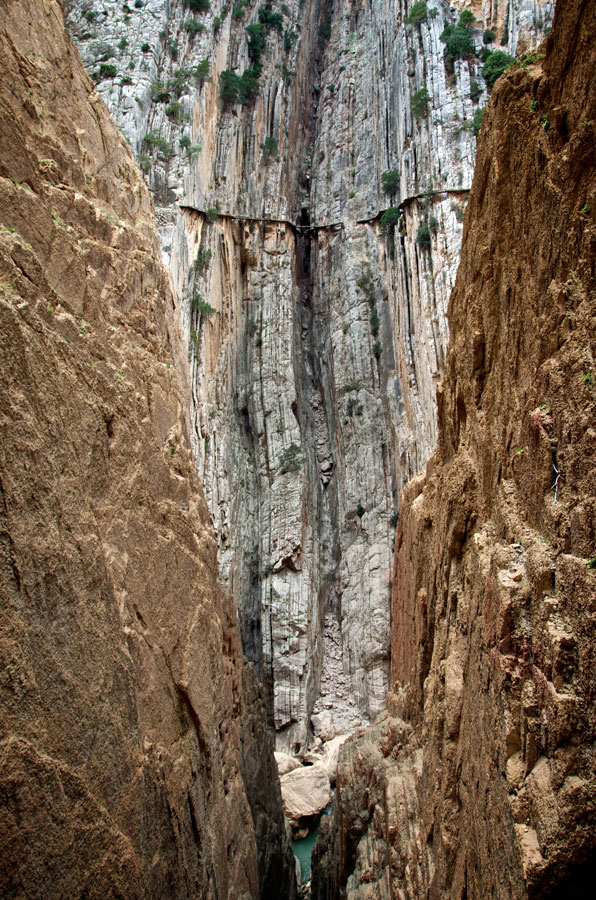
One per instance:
(133, 741)
(480, 780)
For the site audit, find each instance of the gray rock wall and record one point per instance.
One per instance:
(314, 375)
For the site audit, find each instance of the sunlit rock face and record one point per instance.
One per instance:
(316, 334)
(135, 759)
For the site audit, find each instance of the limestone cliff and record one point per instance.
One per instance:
(316, 339)
(134, 757)
(480, 779)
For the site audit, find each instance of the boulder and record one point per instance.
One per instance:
(331, 755)
(286, 763)
(305, 792)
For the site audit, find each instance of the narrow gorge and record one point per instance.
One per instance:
(245, 304)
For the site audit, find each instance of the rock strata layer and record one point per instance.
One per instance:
(480, 779)
(134, 755)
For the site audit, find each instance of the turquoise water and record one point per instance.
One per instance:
(303, 848)
(303, 852)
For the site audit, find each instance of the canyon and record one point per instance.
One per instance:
(217, 408)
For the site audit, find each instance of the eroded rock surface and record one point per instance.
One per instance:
(134, 756)
(480, 780)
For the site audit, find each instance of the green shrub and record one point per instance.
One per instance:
(193, 26)
(495, 65)
(248, 85)
(153, 141)
(377, 349)
(160, 93)
(270, 148)
(229, 86)
(102, 51)
(418, 13)
(212, 215)
(475, 89)
(353, 406)
(477, 120)
(201, 263)
(145, 48)
(106, 70)
(126, 79)
(269, 18)
(467, 17)
(144, 162)
(419, 103)
(390, 217)
(178, 83)
(256, 41)
(138, 4)
(173, 48)
(201, 73)
(423, 236)
(325, 31)
(374, 321)
(459, 43)
(197, 304)
(122, 44)
(198, 5)
(390, 181)
(291, 459)
(217, 24)
(489, 36)
(174, 110)
(290, 38)
(360, 510)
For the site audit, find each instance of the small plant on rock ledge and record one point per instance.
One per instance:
(269, 148)
(423, 236)
(202, 261)
(291, 459)
(418, 13)
(197, 304)
(419, 103)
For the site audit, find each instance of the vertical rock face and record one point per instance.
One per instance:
(479, 781)
(134, 760)
(316, 339)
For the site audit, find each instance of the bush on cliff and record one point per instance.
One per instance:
(496, 63)
(198, 5)
(459, 42)
(418, 13)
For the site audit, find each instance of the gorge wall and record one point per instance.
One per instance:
(135, 759)
(479, 781)
(316, 337)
